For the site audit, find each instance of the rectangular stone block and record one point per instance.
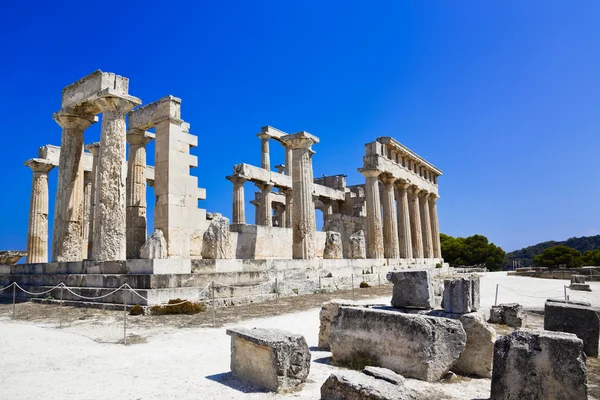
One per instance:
(572, 318)
(78, 92)
(412, 289)
(458, 296)
(269, 358)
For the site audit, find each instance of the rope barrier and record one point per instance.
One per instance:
(40, 293)
(533, 297)
(9, 286)
(95, 298)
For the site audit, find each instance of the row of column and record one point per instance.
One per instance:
(409, 227)
(266, 156)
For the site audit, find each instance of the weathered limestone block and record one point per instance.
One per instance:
(580, 286)
(196, 243)
(357, 245)
(328, 312)
(155, 247)
(333, 246)
(539, 365)
(269, 358)
(458, 296)
(217, 239)
(510, 314)
(577, 278)
(415, 346)
(354, 385)
(11, 257)
(412, 288)
(581, 320)
(476, 359)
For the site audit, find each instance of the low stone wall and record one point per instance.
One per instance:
(591, 274)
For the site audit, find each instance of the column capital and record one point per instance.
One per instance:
(401, 184)
(433, 197)
(139, 137)
(387, 179)
(369, 172)
(263, 186)
(263, 135)
(424, 194)
(280, 168)
(39, 165)
(68, 119)
(414, 190)
(237, 179)
(93, 148)
(121, 104)
(300, 140)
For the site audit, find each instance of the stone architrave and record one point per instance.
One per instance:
(415, 221)
(412, 289)
(239, 206)
(136, 191)
(404, 235)
(303, 212)
(582, 321)
(374, 225)
(333, 246)
(270, 359)
(94, 149)
(264, 146)
(110, 236)
(37, 234)
(266, 212)
(390, 228)
(67, 239)
(532, 364)
(425, 224)
(435, 226)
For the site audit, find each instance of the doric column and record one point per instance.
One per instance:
(425, 224)
(327, 211)
(415, 221)
(68, 215)
(239, 206)
(288, 160)
(303, 209)
(264, 146)
(435, 226)
(390, 227)
(266, 213)
(110, 236)
(93, 148)
(136, 191)
(37, 234)
(88, 177)
(374, 226)
(288, 207)
(404, 236)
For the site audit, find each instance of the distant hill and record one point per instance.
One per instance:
(526, 255)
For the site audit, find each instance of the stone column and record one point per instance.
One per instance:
(136, 191)
(404, 236)
(288, 160)
(88, 177)
(425, 224)
(67, 242)
(110, 236)
(435, 226)
(288, 207)
(93, 148)
(266, 158)
(374, 226)
(327, 211)
(266, 213)
(303, 209)
(239, 206)
(390, 228)
(415, 221)
(37, 234)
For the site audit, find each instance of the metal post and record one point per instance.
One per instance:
(214, 305)
(565, 287)
(124, 317)
(276, 291)
(61, 306)
(496, 299)
(379, 279)
(14, 300)
(352, 283)
(319, 283)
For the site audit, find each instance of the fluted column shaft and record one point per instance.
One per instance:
(37, 233)
(435, 227)
(266, 207)
(426, 224)
(374, 225)
(93, 148)
(404, 234)
(68, 216)
(239, 206)
(415, 221)
(110, 235)
(87, 210)
(288, 207)
(136, 192)
(288, 160)
(265, 156)
(390, 228)
(303, 209)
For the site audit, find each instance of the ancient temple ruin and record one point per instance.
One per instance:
(100, 224)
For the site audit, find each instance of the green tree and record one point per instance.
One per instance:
(473, 250)
(559, 256)
(592, 257)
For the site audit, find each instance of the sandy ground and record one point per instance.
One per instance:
(183, 357)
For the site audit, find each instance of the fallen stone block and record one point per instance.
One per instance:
(510, 314)
(354, 385)
(415, 346)
(333, 246)
(577, 319)
(539, 365)
(155, 247)
(580, 286)
(412, 289)
(458, 296)
(328, 312)
(577, 278)
(476, 359)
(216, 242)
(269, 358)
(357, 245)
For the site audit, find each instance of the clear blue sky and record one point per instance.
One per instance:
(503, 96)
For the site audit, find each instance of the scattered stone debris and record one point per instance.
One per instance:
(461, 296)
(328, 312)
(578, 319)
(510, 314)
(412, 289)
(370, 384)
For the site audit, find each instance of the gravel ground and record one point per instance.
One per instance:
(185, 357)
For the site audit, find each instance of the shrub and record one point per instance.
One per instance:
(179, 306)
(364, 284)
(329, 275)
(438, 265)
(136, 310)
